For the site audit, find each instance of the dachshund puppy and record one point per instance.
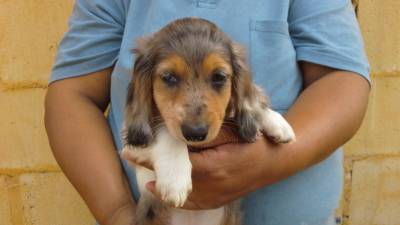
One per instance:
(189, 79)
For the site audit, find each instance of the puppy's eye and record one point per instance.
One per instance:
(170, 79)
(218, 79)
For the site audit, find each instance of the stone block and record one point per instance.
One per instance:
(380, 131)
(23, 140)
(378, 21)
(5, 211)
(30, 33)
(375, 193)
(49, 199)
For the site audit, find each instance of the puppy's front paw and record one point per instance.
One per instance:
(135, 155)
(277, 128)
(174, 187)
(283, 134)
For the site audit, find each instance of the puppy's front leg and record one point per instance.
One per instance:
(172, 168)
(276, 127)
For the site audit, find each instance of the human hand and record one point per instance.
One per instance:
(227, 172)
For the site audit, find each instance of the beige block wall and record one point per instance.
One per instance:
(31, 181)
(372, 188)
(33, 190)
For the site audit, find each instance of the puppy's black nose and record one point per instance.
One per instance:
(194, 132)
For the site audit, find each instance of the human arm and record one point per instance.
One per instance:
(77, 96)
(326, 115)
(82, 144)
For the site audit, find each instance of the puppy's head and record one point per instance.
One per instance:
(189, 76)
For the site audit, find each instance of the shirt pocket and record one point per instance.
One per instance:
(273, 62)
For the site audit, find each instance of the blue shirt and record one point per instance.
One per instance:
(277, 34)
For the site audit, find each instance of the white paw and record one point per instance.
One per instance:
(135, 155)
(174, 187)
(277, 128)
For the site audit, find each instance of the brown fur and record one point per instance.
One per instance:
(194, 100)
(193, 51)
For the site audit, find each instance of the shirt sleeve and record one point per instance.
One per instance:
(326, 32)
(93, 40)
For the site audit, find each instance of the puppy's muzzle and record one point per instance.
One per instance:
(194, 132)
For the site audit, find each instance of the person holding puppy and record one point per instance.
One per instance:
(306, 54)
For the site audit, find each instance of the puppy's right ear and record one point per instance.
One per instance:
(137, 129)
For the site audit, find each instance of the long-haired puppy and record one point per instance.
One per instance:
(189, 78)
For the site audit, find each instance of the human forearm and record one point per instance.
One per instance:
(325, 116)
(82, 145)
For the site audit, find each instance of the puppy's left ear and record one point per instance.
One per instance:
(138, 111)
(244, 96)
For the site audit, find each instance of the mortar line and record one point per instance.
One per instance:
(347, 185)
(21, 86)
(16, 172)
(358, 158)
